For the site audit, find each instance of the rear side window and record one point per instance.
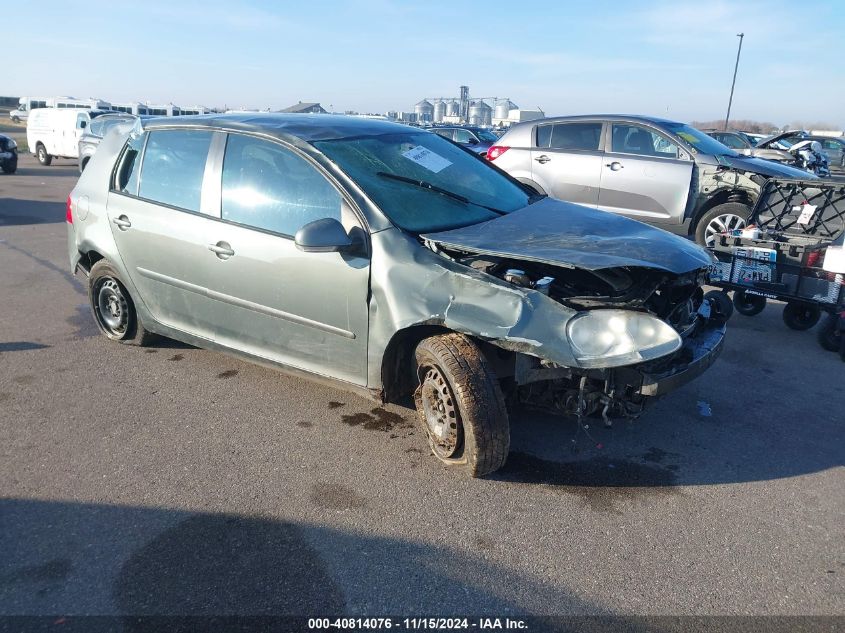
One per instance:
(570, 136)
(269, 187)
(130, 166)
(174, 164)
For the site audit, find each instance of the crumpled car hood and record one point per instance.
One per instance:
(565, 234)
(764, 167)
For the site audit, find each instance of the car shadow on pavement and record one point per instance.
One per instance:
(67, 558)
(15, 212)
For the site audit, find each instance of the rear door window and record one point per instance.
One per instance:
(579, 136)
(174, 164)
(269, 187)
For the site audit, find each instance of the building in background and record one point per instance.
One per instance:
(305, 108)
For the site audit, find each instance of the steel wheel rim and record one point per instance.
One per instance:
(111, 307)
(442, 419)
(41, 153)
(722, 224)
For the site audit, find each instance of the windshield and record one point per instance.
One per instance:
(698, 140)
(383, 165)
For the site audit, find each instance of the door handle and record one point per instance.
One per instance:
(615, 165)
(122, 222)
(543, 159)
(222, 249)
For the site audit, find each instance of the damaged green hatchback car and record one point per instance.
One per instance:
(392, 261)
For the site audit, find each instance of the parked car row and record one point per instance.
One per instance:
(396, 263)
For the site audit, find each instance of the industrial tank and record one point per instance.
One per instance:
(424, 111)
(503, 108)
(453, 108)
(439, 110)
(480, 113)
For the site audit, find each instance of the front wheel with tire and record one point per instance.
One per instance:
(9, 166)
(801, 316)
(748, 305)
(722, 218)
(43, 157)
(460, 405)
(114, 310)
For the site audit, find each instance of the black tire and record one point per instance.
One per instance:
(459, 389)
(113, 308)
(703, 232)
(748, 305)
(721, 307)
(829, 336)
(16, 119)
(43, 157)
(801, 316)
(9, 166)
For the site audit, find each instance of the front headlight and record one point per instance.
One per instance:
(610, 338)
(11, 144)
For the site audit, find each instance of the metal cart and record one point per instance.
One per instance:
(792, 251)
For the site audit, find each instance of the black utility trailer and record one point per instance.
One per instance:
(791, 251)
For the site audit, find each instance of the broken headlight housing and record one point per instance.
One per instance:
(611, 338)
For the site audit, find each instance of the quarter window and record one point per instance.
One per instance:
(174, 164)
(633, 139)
(464, 136)
(130, 165)
(269, 187)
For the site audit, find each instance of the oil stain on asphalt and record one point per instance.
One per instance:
(377, 420)
(336, 497)
(229, 373)
(602, 482)
(176, 357)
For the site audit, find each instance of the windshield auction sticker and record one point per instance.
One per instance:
(428, 159)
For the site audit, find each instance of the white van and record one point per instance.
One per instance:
(27, 105)
(55, 132)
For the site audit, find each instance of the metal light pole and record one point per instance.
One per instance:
(733, 83)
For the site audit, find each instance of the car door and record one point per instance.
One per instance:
(305, 310)
(157, 210)
(645, 175)
(72, 136)
(566, 160)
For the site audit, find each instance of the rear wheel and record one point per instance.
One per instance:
(113, 308)
(829, 335)
(801, 316)
(748, 305)
(43, 157)
(722, 218)
(461, 405)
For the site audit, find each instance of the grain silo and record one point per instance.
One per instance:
(424, 111)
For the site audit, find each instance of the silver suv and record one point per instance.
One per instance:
(391, 261)
(657, 171)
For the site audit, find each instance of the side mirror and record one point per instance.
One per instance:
(326, 235)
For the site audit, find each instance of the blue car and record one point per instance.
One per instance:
(474, 138)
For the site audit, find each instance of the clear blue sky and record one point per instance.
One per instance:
(665, 58)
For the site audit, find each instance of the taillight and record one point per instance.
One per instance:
(495, 151)
(69, 211)
(813, 259)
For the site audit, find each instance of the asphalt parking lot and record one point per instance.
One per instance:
(174, 480)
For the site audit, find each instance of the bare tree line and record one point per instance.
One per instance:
(763, 127)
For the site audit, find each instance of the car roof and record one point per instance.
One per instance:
(608, 117)
(306, 127)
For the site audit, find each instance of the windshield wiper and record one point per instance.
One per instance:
(445, 192)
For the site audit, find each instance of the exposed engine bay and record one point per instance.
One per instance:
(676, 299)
